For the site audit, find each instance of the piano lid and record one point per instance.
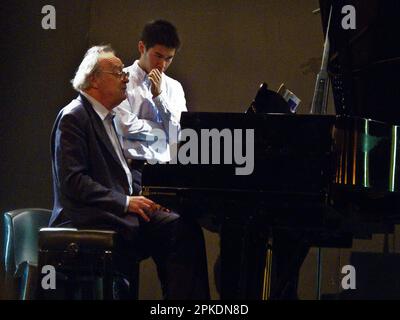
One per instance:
(364, 64)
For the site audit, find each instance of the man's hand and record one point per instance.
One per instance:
(155, 79)
(142, 207)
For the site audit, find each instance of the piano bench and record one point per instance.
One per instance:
(72, 262)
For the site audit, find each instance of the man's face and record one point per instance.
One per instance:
(157, 57)
(110, 83)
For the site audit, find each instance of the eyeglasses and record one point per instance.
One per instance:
(120, 74)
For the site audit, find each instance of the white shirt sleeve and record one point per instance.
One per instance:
(171, 104)
(130, 126)
(177, 104)
(127, 204)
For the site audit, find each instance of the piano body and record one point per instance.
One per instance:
(332, 177)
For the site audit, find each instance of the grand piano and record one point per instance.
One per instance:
(329, 178)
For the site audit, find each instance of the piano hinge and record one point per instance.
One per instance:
(148, 192)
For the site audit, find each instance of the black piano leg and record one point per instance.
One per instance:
(290, 249)
(258, 264)
(243, 252)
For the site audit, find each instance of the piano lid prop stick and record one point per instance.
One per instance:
(320, 98)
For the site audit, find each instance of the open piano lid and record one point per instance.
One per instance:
(364, 64)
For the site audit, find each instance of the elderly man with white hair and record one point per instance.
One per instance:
(93, 184)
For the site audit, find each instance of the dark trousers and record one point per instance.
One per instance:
(176, 245)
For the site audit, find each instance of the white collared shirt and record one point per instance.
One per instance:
(140, 117)
(106, 117)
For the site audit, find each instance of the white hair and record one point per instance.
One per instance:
(88, 66)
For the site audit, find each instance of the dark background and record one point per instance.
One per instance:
(229, 48)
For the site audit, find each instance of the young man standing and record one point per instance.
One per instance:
(148, 120)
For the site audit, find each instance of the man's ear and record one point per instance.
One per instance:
(141, 47)
(93, 81)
